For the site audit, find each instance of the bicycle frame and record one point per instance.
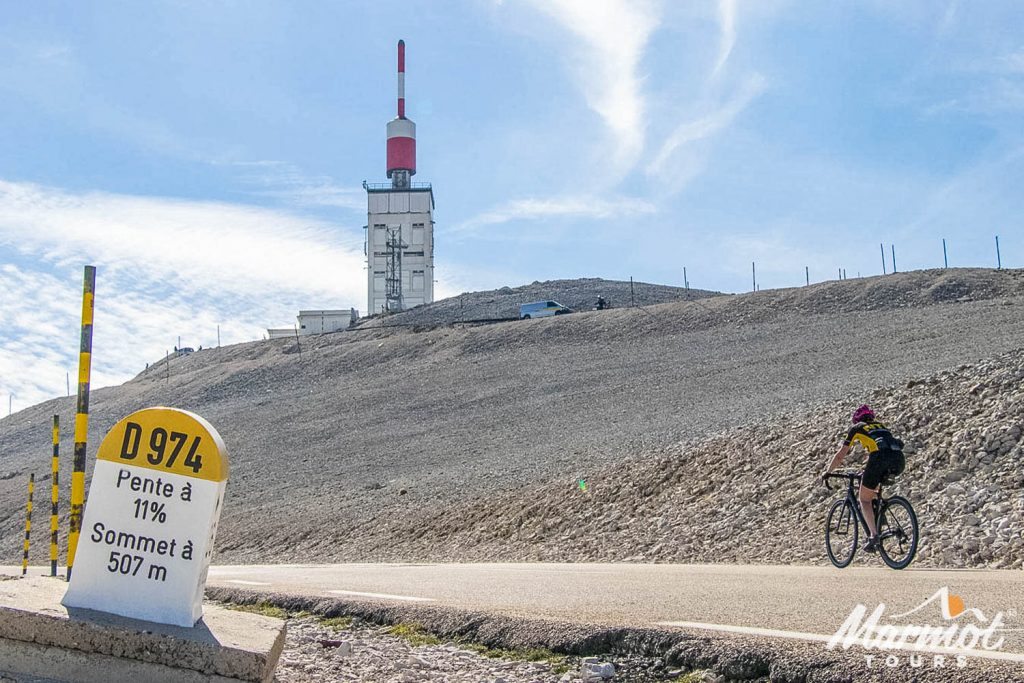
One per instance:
(853, 499)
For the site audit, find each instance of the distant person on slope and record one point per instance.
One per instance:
(601, 303)
(885, 456)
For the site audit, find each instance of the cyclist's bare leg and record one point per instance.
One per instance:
(866, 496)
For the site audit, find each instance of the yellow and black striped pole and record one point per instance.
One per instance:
(28, 523)
(81, 417)
(54, 492)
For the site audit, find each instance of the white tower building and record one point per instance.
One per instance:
(399, 222)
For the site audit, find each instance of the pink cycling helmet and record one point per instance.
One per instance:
(863, 413)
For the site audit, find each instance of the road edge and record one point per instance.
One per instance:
(734, 657)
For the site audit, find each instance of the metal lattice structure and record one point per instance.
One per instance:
(393, 269)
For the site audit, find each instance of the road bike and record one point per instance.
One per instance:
(894, 516)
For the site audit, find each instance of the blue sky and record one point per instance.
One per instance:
(208, 156)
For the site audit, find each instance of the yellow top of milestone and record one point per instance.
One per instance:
(167, 440)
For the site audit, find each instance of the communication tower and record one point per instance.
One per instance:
(400, 274)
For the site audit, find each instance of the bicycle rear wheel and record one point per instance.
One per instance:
(897, 532)
(841, 532)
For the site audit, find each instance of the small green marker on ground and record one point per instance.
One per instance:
(583, 484)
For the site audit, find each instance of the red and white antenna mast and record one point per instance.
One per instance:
(401, 134)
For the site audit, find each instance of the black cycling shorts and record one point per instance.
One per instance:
(881, 463)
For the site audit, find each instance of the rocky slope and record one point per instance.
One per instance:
(752, 494)
(340, 451)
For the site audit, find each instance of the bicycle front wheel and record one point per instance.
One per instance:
(897, 532)
(841, 531)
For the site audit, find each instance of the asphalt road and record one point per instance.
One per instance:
(788, 602)
(793, 602)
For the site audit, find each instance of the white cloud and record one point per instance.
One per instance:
(727, 21)
(557, 207)
(200, 244)
(613, 35)
(166, 267)
(670, 162)
(282, 180)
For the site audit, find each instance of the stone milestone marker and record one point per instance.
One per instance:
(151, 518)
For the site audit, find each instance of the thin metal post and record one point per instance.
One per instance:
(81, 417)
(882, 247)
(893, 257)
(67, 380)
(840, 273)
(807, 274)
(28, 523)
(632, 298)
(297, 344)
(54, 496)
(218, 336)
(686, 282)
(753, 274)
(999, 259)
(945, 258)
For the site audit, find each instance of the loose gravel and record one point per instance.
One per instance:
(367, 650)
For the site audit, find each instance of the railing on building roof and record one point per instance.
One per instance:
(388, 186)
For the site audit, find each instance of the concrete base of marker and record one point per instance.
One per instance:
(40, 639)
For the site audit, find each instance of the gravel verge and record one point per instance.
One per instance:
(639, 655)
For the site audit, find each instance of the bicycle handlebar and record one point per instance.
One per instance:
(851, 476)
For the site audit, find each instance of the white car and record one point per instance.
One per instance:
(541, 309)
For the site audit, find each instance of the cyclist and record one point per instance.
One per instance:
(885, 456)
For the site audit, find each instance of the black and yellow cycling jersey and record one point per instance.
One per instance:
(873, 436)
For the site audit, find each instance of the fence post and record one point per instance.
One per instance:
(632, 299)
(28, 523)
(753, 273)
(807, 274)
(54, 495)
(999, 259)
(945, 258)
(893, 257)
(882, 247)
(81, 417)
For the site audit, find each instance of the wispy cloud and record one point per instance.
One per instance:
(612, 36)
(285, 181)
(530, 209)
(166, 267)
(202, 244)
(727, 22)
(688, 135)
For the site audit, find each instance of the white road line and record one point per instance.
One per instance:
(408, 598)
(575, 572)
(820, 638)
(247, 583)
